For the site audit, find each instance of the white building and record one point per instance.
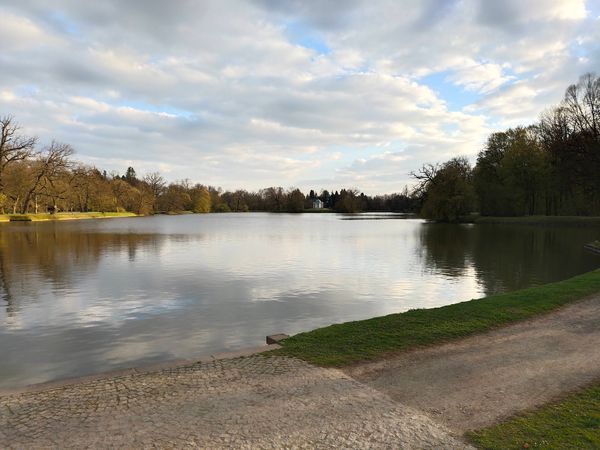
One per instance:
(317, 204)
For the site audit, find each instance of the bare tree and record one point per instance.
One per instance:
(13, 145)
(582, 100)
(51, 163)
(424, 176)
(274, 198)
(156, 183)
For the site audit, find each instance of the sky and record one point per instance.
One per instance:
(302, 93)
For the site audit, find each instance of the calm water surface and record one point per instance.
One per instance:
(87, 296)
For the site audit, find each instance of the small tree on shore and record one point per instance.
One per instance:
(448, 190)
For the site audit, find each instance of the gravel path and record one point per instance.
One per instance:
(481, 380)
(251, 402)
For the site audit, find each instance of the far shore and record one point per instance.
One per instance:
(579, 221)
(46, 217)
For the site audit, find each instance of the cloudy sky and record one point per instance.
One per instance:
(314, 94)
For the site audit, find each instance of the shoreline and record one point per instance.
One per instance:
(354, 342)
(45, 217)
(353, 335)
(406, 376)
(144, 368)
(533, 220)
(593, 247)
(584, 221)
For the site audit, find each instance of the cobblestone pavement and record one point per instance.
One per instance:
(252, 402)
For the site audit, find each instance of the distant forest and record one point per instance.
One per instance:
(551, 167)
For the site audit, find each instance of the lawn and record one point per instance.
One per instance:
(351, 342)
(573, 423)
(580, 221)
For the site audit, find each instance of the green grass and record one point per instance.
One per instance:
(61, 216)
(534, 220)
(352, 342)
(573, 423)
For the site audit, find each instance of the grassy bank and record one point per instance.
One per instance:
(534, 220)
(61, 216)
(573, 423)
(351, 342)
(594, 246)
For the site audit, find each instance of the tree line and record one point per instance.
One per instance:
(34, 180)
(551, 167)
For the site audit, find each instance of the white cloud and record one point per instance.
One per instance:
(219, 92)
(480, 77)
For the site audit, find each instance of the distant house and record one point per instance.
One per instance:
(317, 204)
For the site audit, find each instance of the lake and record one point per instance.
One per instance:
(79, 297)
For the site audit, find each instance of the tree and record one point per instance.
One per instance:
(449, 192)
(325, 198)
(511, 174)
(582, 102)
(274, 198)
(124, 195)
(200, 199)
(424, 176)
(295, 201)
(176, 198)
(347, 201)
(130, 176)
(3, 202)
(156, 183)
(45, 171)
(581, 149)
(238, 200)
(524, 171)
(13, 146)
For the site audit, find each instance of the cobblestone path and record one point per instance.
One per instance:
(251, 402)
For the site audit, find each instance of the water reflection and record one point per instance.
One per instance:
(82, 297)
(508, 257)
(42, 257)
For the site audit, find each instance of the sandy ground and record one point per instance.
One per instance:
(478, 381)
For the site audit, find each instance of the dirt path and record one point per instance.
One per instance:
(480, 380)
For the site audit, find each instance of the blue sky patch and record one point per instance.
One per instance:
(142, 106)
(62, 22)
(304, 36)
(455, 96)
